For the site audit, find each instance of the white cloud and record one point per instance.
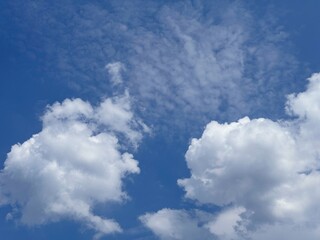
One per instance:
(194, 61)
(200, 67)
(117, 115)
(269, 169)
(76, 161)
(283, 231)
(114, 70)
(226, 223)
(169, 224)
(264, 176)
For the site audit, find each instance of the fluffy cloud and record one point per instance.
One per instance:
(264, 175)
(77, 160)
(171, 224)
(115, 113)
(247, 162)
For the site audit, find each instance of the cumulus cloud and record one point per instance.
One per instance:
(263, 174)
(241, 163)
(77, 160)
(271, 169)
(226, 225)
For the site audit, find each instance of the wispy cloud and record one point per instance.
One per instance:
(114, 70)
(192, 60)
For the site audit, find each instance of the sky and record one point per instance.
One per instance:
(160, 119)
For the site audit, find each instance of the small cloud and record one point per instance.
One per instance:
(170, 224)
(114, 69)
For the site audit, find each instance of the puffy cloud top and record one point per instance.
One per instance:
(76, 161)
(248, 163)
(263, 174)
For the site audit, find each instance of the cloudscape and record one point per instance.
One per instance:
(169, 120)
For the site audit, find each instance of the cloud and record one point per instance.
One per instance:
(225, 225)
(116, 114)
(200, 67)
(268, 168)
(285, 231)
(172, 224)
(169, 224)
(263, 174)
(114, 70)
(190, 60)
(77, 160)
(247, 162)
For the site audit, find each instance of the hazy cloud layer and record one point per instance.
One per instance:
(267, 170)
(191, 59)
(77, 160)
(199, 67)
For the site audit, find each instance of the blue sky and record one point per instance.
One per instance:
(121, 119)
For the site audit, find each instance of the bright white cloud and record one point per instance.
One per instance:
(248, 163)
(267, 171)
(76, 161)
(268, 168)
